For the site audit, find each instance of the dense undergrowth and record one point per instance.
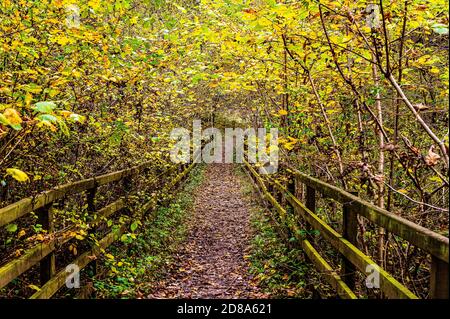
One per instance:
(277, 263)
(131, 269)
(134, 268)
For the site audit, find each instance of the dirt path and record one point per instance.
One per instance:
(211, 264)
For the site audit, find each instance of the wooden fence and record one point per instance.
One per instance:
(343, 282)
(44, 253)
(354, 259)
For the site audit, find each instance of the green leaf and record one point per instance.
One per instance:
(3, 120)
(44, 107)
(124, 238)
(440, 28)
(134, 226)
(64, 128)
(77, 118)
(11, 228)
(17, 127)
(48, 117)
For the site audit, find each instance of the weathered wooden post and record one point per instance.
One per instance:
(47, 264)
(439, 279)
(90, 198)
(127, 184)
(311, 205)
(291, 187)
(277, 195)
(349, 232)
(311, 198)
(270, 190)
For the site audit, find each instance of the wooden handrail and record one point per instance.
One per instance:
(22, 207)
(330, 275)
(35, 254)
(388, 284)
(431, 242)
(39, 252)
(57, 281)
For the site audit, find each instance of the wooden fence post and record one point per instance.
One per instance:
(47, 264)
(311, 199)
(349, 232)
(311, 205)
(127, 185)
(291, 187)
(91, 199)
(269, 188)
(278, 196)
(91, 209)
(439, 279)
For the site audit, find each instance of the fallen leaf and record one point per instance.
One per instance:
(432, 158)
(17, 174)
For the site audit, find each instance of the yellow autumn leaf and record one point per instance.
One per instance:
(66, 113)
(3, 120)
(289, 146)
(5, 90)
(12, 116)
(109, 256)
(435, 179)
(434, 70)
(21, 234)
(34, 287)
(94, 4)
(282, 112)
(63, 40)
(17, 174)
(28, 98)
(48, 124)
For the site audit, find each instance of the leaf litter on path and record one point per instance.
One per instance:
(211, 263)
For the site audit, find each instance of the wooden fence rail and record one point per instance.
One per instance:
(43, 253)
(354, 259)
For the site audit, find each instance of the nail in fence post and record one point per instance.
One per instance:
(47, 264)
(349, 232)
